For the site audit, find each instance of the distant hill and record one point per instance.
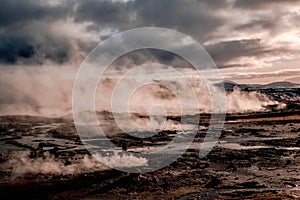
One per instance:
(293, 79)
(284, 84)
(230, 85)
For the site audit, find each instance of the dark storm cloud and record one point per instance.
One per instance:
(262, 23)
(142, 56)
(37, 43)
(257, 4)
(196, 18)
(19, 11)
(12, 48)
(103, 13)
(215, 3)
(32, 43)
(222, 66)
(225, 51)
(25, 35)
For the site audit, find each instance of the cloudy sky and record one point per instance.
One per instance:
(256, 41)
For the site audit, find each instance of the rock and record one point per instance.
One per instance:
(213, 183)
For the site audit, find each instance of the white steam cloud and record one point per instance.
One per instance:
(21, 163)
(240, 101)
(47, 91)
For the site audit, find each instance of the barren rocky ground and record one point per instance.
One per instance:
(257, 157)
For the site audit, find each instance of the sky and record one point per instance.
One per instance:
(43, 43)
(251, 41)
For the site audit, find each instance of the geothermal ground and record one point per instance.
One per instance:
(257, 157)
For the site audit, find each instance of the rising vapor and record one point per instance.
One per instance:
(47, 91)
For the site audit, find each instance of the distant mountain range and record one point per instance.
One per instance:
(230, 85)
